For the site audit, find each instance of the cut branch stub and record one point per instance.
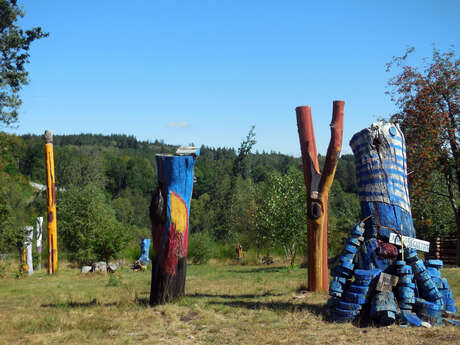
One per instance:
(318, 186)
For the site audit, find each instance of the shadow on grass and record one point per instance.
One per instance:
(203, 295)
(316, 309)
(262, 270)
(143, 301)
(73, 304)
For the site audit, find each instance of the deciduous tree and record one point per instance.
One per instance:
(14, 55)
(429, 114)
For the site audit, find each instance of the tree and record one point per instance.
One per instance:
(240, 168)
(281, 215)
(88, 225)
(429, 115)
(14, 55)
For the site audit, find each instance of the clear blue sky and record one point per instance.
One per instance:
(205, 71)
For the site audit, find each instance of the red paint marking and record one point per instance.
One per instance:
(50, 216)
(174, 251)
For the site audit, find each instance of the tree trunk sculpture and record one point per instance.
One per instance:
(51, 196)
(28, 246)
(39, 227)
(318, 186)
(169, 214)
(381, 171)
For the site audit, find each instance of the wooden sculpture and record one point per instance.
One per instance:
(51, 196)
(380, 278)
(169, 214)
(39, 227)
(318, 185)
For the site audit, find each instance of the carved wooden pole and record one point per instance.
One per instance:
(28, 246)
(51, 196)
(39, 227)
(318, 186)
(169, 213)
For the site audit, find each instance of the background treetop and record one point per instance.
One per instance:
(14, 55)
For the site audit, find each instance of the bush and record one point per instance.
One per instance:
(225, 251)
(200, 247)
(90, 231)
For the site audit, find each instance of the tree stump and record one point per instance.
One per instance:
(381, 172)
(386, 281)
(169, 214)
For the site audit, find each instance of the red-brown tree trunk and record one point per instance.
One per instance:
(318, 186)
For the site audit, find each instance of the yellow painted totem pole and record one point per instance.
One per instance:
(51, 195)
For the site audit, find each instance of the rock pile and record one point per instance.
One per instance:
(100, 267)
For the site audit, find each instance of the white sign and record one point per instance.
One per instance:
(410, 242)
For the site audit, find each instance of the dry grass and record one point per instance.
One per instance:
(225, 304)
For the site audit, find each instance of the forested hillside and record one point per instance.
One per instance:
(238, 195)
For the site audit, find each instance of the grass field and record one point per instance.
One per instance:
(225, 304)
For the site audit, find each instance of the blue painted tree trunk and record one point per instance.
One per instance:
(381, 171)
(169, 214)
(370, 258)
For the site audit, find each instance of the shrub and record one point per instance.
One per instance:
(89, 229)
(200, 247)
(225, 251)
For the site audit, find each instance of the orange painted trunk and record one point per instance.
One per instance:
(51, 196)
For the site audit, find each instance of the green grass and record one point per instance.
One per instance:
(225, 304)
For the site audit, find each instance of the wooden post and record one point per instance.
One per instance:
(39, 227)
(318, 185)
(51, 196)
(169, 214)
(28, 246)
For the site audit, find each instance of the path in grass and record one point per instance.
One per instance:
(225, 304)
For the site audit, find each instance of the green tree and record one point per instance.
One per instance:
(282, 215)
(14, 212)
(429, 114)
(88, 226)
(240, 169)
(14, 55)
(343, 213)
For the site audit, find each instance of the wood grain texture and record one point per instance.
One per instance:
(318, 185)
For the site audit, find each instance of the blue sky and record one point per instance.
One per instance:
(203, 72)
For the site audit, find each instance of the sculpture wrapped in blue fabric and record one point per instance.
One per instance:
(145, 246)
(377, 280)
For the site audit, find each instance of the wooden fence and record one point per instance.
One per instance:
(443, 248)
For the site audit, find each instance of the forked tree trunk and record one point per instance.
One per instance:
(318, 186)
(169, 213)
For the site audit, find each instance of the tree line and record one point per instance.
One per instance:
(105, 183)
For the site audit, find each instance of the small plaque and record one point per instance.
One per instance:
(410, 242)
(386, 282)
